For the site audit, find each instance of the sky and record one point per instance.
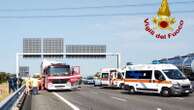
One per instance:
(123, 34)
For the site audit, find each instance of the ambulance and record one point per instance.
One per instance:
(112, 77)
(164, 79)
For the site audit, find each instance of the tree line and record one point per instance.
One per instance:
(4, 76)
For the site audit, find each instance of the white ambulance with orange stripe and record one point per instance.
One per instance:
(112, 77)
(165, 79)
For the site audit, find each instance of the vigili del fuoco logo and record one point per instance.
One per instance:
(163, 24)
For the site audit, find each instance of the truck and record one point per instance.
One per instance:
(164, 79)
(192, 66)
(111, 77)
(59, 76)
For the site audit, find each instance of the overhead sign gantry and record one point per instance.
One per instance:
(54, 48)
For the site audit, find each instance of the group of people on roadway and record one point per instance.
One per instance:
(14, 83)
(32, 85)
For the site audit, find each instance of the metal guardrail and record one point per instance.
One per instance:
(9, 102)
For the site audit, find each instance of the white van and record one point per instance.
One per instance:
(111, 77)
(165, 79)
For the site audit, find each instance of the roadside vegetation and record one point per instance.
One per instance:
(4, 89)
(4, 77)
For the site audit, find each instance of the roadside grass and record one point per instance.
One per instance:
(4, 92)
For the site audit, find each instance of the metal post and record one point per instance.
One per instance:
(42, 50)
(17, 65)
(118, 60)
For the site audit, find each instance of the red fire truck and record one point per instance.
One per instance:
(59, 76)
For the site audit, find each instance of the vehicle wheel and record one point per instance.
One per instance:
(49, 90)
(121, 86)
(165, 92)
(131, 90)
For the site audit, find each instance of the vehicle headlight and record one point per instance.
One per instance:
(176, 85)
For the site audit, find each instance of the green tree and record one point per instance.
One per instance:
(4, 76)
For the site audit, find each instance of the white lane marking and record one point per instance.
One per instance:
(158, 109)
(120, 99)
(66, 101)
(179, 98)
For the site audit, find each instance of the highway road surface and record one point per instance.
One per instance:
(95, 98)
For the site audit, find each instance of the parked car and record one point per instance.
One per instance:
(89, 80)
(97, 81)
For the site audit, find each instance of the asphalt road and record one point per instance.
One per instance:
(47, 101)
(95, 98)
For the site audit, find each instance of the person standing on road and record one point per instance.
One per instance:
(15, 83)
(28, 85)
(19, 82)
(42, 83)
(10, 82)
(35, 84)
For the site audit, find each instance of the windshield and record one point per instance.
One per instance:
(90, 78)
(174, 74)
(104, 75)
(58, 70)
